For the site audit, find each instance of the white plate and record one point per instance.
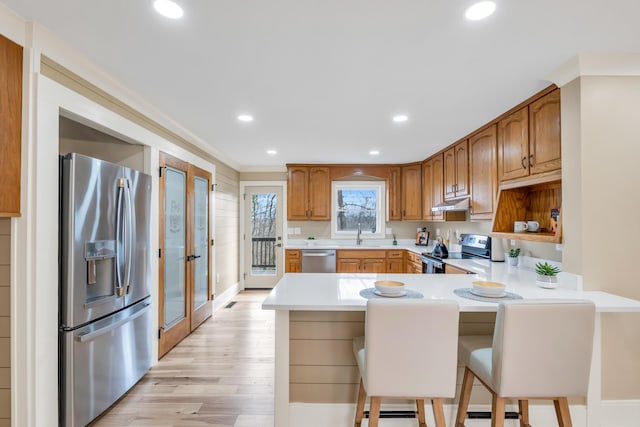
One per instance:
(488, 295)
(394, 295)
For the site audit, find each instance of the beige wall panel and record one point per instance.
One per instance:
(5, 327)
(5, 226)
(128, 155)
(325, 352)
(227, 227)
(5, 250)
(5, 377)
(5, 352)
(326, 330)
(5, 275)
(5, 422)
(326, 393)
(609, 135)
(324, 375)
(476, 328)
(327, 316)
(5, 403)
(5, 301)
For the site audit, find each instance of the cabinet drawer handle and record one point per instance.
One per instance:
(531, 160)
(524, 165)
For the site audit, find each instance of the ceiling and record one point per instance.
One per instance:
(324, 78)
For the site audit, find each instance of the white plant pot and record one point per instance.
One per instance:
(547, 282)
(512, 260)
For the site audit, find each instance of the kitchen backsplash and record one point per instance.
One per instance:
(407, 230)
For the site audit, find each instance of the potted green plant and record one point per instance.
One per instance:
(547, 275)
(513, 256)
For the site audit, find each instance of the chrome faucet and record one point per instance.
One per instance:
(358, 239)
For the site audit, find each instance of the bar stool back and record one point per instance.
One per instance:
(541, 349)
(408, 351)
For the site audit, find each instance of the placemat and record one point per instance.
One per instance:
(466, 293)
(368, 294)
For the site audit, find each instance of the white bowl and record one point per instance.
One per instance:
(490, 289)
(389, 287)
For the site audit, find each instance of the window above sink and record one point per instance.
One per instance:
(358, 203)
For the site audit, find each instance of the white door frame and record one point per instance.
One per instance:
(243, 185)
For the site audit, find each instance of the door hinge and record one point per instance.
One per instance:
(213, 242)
(213, 187)
(160, 170)
(159, 332)
(160, 253)
(244, 276)
(244, 196)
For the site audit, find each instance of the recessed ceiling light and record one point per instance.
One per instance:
(168, 8)
(245, 118)
(400, 118)
(374, 152)
(272, 152)
(480, 10)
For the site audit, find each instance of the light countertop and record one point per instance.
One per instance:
(341, 291)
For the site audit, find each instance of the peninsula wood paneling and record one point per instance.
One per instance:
(5, 322)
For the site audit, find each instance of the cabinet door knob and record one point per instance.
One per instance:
(524, 165)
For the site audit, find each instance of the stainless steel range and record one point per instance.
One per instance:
(473, 246)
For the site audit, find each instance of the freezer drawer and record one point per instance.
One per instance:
(101, 361)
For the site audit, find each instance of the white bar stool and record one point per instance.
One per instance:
(541, 349)
(408, 352)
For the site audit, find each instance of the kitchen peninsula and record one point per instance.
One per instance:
(317, 315)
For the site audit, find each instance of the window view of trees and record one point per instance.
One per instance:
(357, 206)
(263, 233)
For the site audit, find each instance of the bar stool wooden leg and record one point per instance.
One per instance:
(374, 412)
(497, 411)
(421, 413)
(562, 412)
(465, 395)
(438, 412)
(523, 407)
(362, 396)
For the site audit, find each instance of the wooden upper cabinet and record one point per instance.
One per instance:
(529, 139)
(412, 192)
(10, 126)
(432, 187)
(319, 194)
(544, 134)
(395, 194)
(483, 170)
(513, 145)
(308, 193)
(456, 171)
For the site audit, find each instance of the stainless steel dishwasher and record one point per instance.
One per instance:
(318, 261)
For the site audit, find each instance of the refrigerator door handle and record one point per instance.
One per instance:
(95, 334)
(130, 237)
(120, 239)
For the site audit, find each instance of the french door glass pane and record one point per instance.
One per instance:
(263, 233)
(201, 240)
(174, 244)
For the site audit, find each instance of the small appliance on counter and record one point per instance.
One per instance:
(473, 246)
(440, 249)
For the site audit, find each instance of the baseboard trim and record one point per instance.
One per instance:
(221, 300)
(321, 415)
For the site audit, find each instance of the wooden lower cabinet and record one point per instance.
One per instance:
(450, 269)
(413, 263)
(292, 261)
(361, 261)
(395, 261)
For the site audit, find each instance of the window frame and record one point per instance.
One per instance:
(380, 188)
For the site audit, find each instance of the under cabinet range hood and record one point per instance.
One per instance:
(452, 205)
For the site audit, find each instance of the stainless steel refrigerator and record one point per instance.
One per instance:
(105, 259)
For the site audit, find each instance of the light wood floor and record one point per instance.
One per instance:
(221, 375)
